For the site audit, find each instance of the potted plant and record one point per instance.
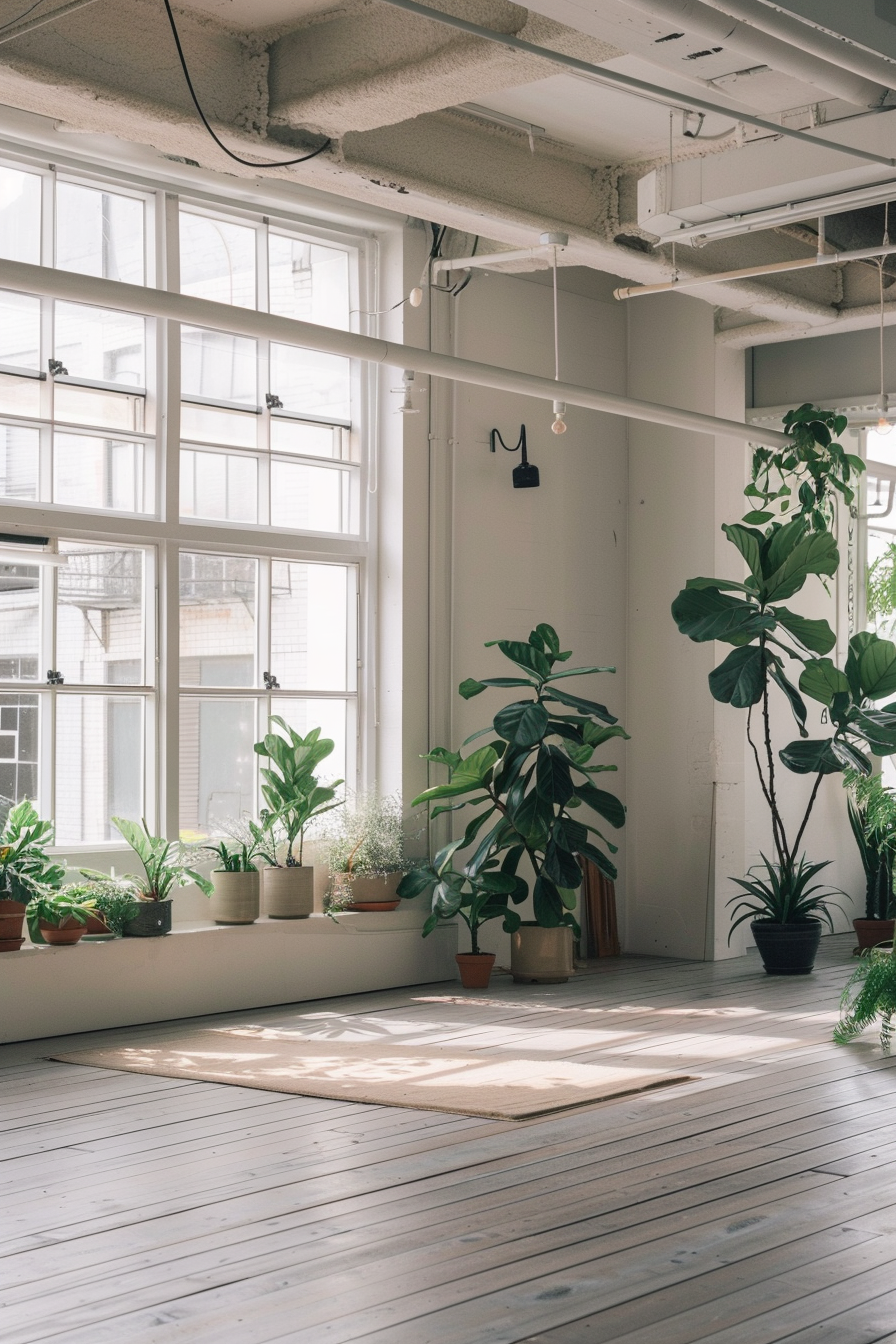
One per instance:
(475, 900)
(872, 816)
(531, 783)
(236, 898)
(870, 993)
(25, 868)
(751, 617)
(364, 850)
(111, 902)
(293, 798)
(58, 917)
(166, 864)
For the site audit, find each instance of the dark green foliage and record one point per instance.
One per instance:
(872, 816)
(805, 479)
(782, 894)
(166, 863)
(870, 994)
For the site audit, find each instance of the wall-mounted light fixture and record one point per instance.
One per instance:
(525, 473)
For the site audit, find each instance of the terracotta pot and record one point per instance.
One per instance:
(368, 893)
(236, 898)
(475, 968)
(97, 927)
(62, 935)
(787, 949)
(541, 956)
(870, 932)
(288, 892)
(12, 916)
(10, 944)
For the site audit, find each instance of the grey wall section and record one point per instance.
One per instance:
(823, 369)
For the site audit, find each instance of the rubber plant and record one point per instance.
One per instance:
(532, 786)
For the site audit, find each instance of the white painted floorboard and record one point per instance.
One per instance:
(756, 1205)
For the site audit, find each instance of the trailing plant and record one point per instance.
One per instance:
(782, 895)
(166, 863)
(805, 479)
(751, 617)
(872, 816)
(880, 585)
(366, 837)
(54, 908)
(870, 994)
(528, 782)
(25, 866)
(291, 791)
(112, 898)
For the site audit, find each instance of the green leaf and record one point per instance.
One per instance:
(600, 860)
(705, 614)
(578, 672)
(549, 636)
(740, 679)
(561, 867)
(877, 668)
(523, 724)
(797, 704)
(553, 779)
(532, 819)
(606, 805)
(850, 757)
(547, 905)
(590, 707)
(815, 635)
(721, 585)
(758, 517)
(812, 757)
(524, 655)
(815, 554)
(821, 681)
(471, 687)
(748, 541)
(470, 774)
(415, 883)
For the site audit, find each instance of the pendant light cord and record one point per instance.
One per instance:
(556, 324)
(249, 163)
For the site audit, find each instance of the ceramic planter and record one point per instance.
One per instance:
(787, 949)
(288, 892)
(541, 956)
(870, 932)
(475, 968)
(64, 934)
(368, 893)
(12, 917)
(151, 919)
(236, 898)
(96, 927)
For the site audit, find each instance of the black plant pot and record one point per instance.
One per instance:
(151, 919)
(787, 949)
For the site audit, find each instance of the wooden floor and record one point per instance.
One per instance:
(754, 1206)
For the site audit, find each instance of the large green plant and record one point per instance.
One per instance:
(25, 866)
(290, 789)
(166, 863)
(530, 782)
(872, 816)
(751, 616)
(806, 478)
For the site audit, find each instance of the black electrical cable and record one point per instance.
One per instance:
(458, 289)
(249, 163)
(12, 22)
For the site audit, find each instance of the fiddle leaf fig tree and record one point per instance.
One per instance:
(533, 787)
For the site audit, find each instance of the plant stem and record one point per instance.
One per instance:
(814, 795)
(777, 823)
(765, 792)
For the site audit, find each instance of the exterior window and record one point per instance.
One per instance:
(203, 490)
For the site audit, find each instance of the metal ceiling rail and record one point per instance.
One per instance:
(74, 288)
(747, 272)
(615, 79)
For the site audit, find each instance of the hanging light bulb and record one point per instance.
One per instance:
(415, 298)
(883, 425)
(559, 425)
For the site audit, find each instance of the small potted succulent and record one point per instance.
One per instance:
(25, 869)
(58, 917)
(364, 850)
(166, 864)
(293, 797)
(236, 898)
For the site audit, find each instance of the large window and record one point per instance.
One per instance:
(202, 495)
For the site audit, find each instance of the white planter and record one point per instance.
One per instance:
(288, 892)
(236, 898)
(543, 956)
(366, 890)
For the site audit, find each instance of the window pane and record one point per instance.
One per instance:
(291, 436)
(19, 216)
(311, 382)
(19, 451)
(218, 485)
(99, 622)
(19, 396)
(217, 620)
(217, 764)
(315, 499)
(101, 345)
(99, 233)
(89, 406)
(99, 765)
(236, 428)
(216, 365)
(98, 473)
(19, 330)
(309, 282)
(19, 622)
(217, 260)
(19, 719)
(309, 625)
(335, 718)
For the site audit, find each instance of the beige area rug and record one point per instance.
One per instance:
(378, 1073)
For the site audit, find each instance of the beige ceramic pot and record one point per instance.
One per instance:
(288, 892)
(236, 898)
(541, 956)
(368, 893)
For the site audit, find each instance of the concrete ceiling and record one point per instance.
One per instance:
(385, 86)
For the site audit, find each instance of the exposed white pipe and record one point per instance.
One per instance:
(761, 47)
(615, 79)
(747, 272)
(67, 285)
(751, 221)
(809, 37)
